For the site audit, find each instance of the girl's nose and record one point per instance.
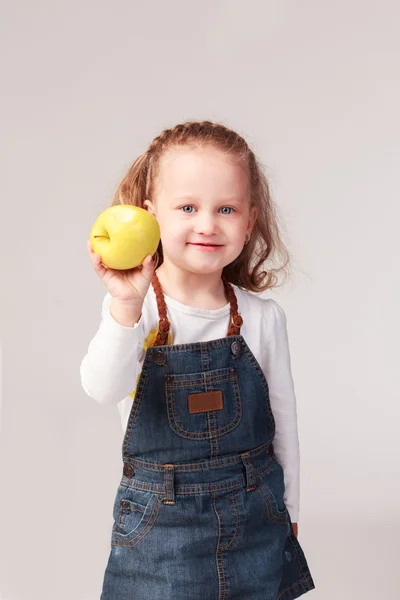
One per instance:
(205, 224)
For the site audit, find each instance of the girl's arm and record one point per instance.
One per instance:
(109, 369)
(277, 368)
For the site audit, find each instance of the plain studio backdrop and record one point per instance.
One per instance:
(314, 87)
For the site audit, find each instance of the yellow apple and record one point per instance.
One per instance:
(123, 235)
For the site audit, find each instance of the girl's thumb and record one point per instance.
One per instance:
(148, 267)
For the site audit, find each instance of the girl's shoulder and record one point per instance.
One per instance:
(262, 305)
(261, 311)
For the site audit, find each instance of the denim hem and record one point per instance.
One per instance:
(298, 589)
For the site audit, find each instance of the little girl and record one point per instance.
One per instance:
(207, 507)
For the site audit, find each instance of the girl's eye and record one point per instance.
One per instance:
(226, 210)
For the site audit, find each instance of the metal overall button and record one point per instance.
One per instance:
(159, 358)
(125, 504)
(129, 470)
(236, 348)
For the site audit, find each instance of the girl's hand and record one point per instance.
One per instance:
(129, 287)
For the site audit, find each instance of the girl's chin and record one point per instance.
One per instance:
(202, 262)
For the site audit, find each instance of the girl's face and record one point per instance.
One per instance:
(202, 204)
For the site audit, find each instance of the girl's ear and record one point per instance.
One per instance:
(252, 218)
(148, 205)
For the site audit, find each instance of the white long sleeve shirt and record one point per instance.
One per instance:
(115, 356)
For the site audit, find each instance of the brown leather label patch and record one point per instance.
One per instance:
(199, 403)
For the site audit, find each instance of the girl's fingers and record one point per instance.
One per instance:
(139, 280)
(147, 268)
(91, 251)
(98, 266)
(95, 258)
(90, 248)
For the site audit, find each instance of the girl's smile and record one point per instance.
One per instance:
(205, 247)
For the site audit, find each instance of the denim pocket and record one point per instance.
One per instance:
(271, 490)
(203, 424)
(135, 513)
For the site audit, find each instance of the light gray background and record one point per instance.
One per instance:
(314, 87)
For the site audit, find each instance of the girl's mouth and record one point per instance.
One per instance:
(206, 247)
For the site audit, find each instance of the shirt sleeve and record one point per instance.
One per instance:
(109, 369)
(283, 404)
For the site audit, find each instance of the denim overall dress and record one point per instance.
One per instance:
(199, 512)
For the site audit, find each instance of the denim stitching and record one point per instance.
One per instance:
(123, 512)
(186, 489)
(299, 564)
(169, 485)
(122, 516)
(201, 465)
(271, 514)
(184, 382)
(143, 532)
(210, 431)
(141, 386)
(199, 346)
(219, 559)
(254, 363)
(204, 359)
(295, 585)
(204, 435)
(214, 442)
(223, 548)
(213, 420)
(250, 473)
(178, 379)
